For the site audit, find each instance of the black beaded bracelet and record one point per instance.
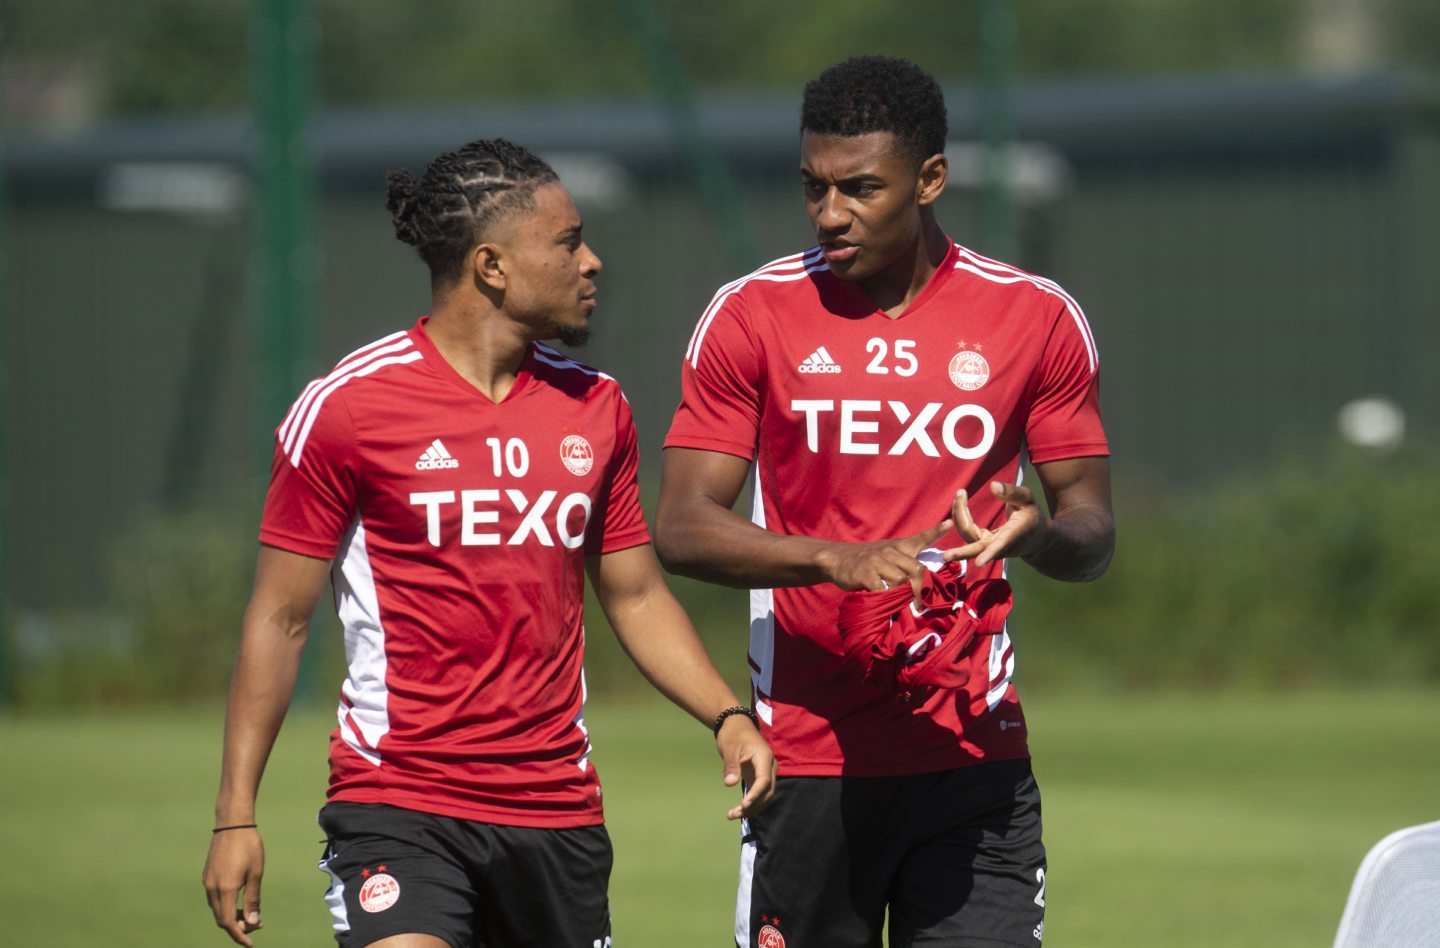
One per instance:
(738, 709)
(237, 826)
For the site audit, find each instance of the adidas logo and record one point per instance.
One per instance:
(818, 363)
(435, 457)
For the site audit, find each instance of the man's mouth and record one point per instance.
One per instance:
(836, 251)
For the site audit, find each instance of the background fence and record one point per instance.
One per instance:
(1254, 254)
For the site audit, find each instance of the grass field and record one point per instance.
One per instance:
(1200, 820)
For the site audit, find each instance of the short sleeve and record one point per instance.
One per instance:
(621, 524)
(719, 386)
(1064, 420)
(312, 497)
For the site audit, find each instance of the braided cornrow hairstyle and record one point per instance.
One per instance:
(866, 94)
(462, 192)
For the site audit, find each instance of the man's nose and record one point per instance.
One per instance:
(830, 215)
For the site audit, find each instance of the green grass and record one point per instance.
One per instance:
(1198, 819)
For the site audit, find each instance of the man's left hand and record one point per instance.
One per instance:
(1014, 537)
(747, 757)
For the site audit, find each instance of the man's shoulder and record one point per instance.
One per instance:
(787, 285)
(571, 376)
(782, 276)
(1045, 307)
(372, 365)
(372, 368)
(396, 348)
(973, 271)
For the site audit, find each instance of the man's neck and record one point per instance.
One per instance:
(893, 289)
(479, 343)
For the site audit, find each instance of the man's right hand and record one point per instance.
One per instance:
(235, 864)
(882, 564)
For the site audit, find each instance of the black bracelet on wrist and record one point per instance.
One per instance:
(738, 709)
(236, 826)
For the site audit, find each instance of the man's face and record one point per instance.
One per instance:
(861, 194)
(550, 277)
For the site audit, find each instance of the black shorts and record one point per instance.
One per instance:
(395, 871)
(955, 857)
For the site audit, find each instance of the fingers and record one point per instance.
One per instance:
(229, 918)
(917, 583)
(222, 897)
(967, 552)
(960, 513)
(1013, 494)
(993, 550)
(747, 757)
(897, 565)
(989, 545)
(979, 536)
(984, 550)
(238, 931)
(252, 905)
(759, 773)
(926, 537)
(231, 869)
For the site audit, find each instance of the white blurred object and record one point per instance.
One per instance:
(1035, 173)
(593, 179)
(1373, 422)
(1395, 899)
(178, 187)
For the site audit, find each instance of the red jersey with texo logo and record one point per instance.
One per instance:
(458, 529)
(862, 427)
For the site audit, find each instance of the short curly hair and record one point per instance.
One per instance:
(462, 192)
(866, 94)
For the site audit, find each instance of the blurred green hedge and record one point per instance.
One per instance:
(1321, 568)
(1325, 567)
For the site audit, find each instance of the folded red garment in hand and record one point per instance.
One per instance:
(912, 650)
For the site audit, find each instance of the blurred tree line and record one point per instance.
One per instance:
(157, 56)
(1298, 574)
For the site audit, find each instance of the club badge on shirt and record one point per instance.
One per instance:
(577, 455)
(968, 368)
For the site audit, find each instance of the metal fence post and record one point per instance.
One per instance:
(6, 657)
(997, 126)
(286, 257)
(672, 84)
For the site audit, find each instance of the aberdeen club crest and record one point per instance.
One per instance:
(769, 936)
(968, 369)
(577, 455)
(380, 891)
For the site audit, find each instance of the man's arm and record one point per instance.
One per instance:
(698, 535)
(1074, 543)
(657, 635)
(287, 587)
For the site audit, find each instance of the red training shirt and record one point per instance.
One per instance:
(458, 529)
(862, 427)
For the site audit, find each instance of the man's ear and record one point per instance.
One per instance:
(488, 264)
(934, 172)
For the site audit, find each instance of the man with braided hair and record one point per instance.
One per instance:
(886, 386)
(456, 482)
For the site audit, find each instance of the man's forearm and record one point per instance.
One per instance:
(1075, 546)
(260, 692)
(719, 546)
(658, 637)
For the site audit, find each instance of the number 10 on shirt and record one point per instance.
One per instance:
(514, 455)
